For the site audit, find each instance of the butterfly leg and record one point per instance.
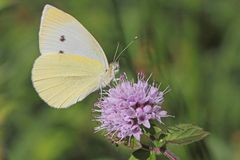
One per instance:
(115, 80)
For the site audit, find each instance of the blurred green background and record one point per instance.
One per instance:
(191, 45)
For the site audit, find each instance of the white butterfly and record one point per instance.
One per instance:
(72, 64)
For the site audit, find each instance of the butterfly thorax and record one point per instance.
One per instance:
(109, 75)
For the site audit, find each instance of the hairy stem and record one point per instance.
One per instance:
(169, 155)
(166, 153)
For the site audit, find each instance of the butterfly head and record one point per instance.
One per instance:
(114, 68)
(110, 74)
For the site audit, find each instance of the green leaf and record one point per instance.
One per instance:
(151, 130)
(184, 134)
(160, 143)
(152, 156)
(132, 158)
(145, 140)
(141, 154)
(134, 144)
(160, 127)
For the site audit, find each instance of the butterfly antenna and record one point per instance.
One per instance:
(129, 44)
(115, 54)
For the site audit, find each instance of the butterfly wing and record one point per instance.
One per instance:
(64, 79)
(62, 33)
(72, 62)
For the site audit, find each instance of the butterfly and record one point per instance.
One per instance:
(72, 64)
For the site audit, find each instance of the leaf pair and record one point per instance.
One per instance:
(181, 134)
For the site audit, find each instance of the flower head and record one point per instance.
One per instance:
(128, 107)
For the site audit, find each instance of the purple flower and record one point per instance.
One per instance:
(128, 107)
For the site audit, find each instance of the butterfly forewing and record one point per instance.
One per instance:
(64, 79)
(62, 33)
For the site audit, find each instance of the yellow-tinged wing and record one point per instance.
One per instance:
(62, 33)
(64, 79)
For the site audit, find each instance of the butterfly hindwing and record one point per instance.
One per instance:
(64, 79)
